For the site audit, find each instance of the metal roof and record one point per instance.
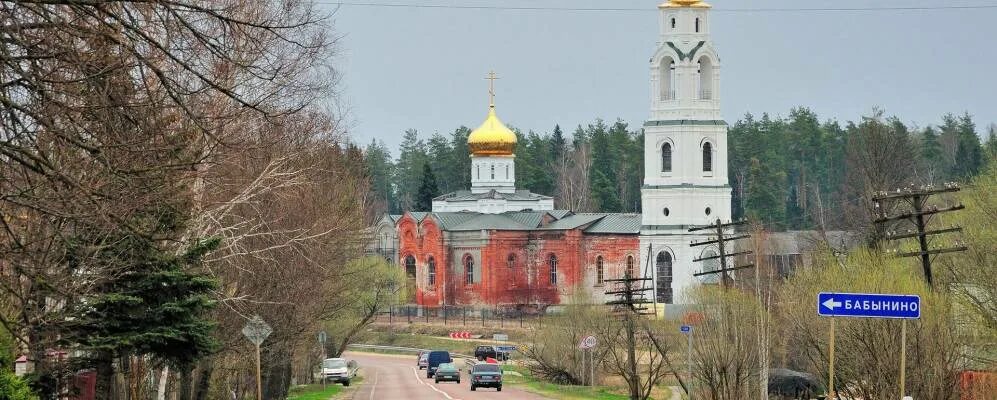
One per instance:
(451, 219)
(466, 195)
(573, 221)
(491, 222)
(617, 223)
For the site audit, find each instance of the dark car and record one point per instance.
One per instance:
(482, 353)
(435, 358)
(447, 372)
(486, 375)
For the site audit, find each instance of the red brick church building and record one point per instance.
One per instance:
(501, 246)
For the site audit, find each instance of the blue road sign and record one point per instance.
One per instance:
(685, 328)
(869, 305)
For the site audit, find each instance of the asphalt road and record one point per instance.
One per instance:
(390, 377)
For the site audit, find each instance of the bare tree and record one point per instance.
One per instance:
(573, 179)
(100, 100)
(726, 350)
(878, 156)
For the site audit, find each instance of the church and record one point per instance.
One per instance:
(498, 245)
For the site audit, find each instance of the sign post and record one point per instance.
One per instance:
(687, 330)
(322, 337)
(870, 305)
(587, 344)
(257, 330)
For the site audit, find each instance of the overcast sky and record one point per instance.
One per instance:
(424, 68)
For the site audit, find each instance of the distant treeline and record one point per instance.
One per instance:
(794, 172)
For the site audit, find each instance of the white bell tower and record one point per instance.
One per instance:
(685, 150)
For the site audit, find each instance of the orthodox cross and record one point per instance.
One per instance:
(491, 87)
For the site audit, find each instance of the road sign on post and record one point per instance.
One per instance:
(869, 305)
(257, 330)
(586, 345)
(687, 329)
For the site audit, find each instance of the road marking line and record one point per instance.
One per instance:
(445, 394)
(374, 386)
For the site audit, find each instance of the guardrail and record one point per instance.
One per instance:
(403, 349)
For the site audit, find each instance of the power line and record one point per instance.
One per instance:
(625, 9)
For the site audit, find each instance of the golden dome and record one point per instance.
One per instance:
(684, 3)
(492, 138)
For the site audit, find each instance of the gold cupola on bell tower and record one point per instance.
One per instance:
(492, 138)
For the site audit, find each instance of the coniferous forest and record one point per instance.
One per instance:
(790, 173)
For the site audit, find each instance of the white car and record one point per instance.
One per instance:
(338, 370)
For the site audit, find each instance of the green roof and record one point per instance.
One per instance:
(617, 223)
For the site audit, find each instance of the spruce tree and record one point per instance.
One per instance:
(969, 152)
(427, 190)
(931, 150)
(558, 144)
(155, 304)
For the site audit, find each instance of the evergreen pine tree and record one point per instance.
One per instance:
(931, 150)
(969, 152)
(427, 190)
(409, 168)
(558, 144)
(990, 148)
(380, 170)
(154, 305)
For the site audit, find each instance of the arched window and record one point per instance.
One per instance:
(673, 23)
(705, 78)
(478, 169)
(468, 269)
(510, 261)
(697, 24)
(599, 271)
(493, 172)
(666, 79)
(410, 266)
(552, 264)
(631, 273)
(431, 272)
(507, 171)
(707, 157)
(663, 266)
(666, 157)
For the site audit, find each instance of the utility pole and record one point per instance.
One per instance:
(630, 304)
(913, 207)
(721, 241)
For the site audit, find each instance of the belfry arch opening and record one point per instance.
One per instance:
(666, 74)
(666, 157)
(705, 78)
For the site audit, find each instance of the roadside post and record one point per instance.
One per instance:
(869, 305)
(257, 330)
(322, 338)
(687, 330)
(586, 345)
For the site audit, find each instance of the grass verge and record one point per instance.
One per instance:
(315, 391)
(522, 379)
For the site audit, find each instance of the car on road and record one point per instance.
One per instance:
(338, 370)
(482, 353)
(447, 372)
(423, 359)
(486, 375)
(434, 359)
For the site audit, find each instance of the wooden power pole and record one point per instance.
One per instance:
(912, 206)
(722, 241)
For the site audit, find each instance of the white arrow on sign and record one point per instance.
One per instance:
(831, 304)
